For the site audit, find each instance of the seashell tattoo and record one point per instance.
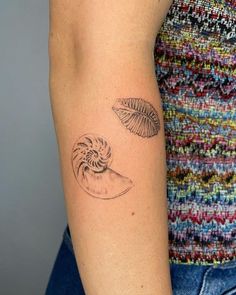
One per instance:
(91, 160)
(138, 116)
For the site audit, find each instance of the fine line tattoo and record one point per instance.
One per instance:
(91, 160)
(138, 116)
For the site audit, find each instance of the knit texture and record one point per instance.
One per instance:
(195, 57)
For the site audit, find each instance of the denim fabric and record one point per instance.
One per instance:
(204, 280)
(186, 279)
(65, 278)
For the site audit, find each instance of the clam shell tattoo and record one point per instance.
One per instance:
(138, 116)
(91, 160)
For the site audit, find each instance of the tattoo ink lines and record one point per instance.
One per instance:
(138, 116)
(92, 155)
(91, 160)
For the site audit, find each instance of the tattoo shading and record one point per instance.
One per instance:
(91, 160)
(138, 116)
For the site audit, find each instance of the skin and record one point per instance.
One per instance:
(101, 51)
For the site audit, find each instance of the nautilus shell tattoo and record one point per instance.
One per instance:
(91, 161)
(138, 116)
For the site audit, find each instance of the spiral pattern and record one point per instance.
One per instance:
(91, 160)
(93, 152)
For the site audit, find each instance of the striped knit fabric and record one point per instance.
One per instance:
(195, 56)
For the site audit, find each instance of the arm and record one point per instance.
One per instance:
(109, 125)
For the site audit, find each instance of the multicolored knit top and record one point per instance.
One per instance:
(195, 56)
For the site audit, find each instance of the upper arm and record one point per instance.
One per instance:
(82, 28)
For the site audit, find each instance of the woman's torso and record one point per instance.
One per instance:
(195, 57)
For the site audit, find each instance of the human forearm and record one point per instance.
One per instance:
(117, 216)
(120, 244)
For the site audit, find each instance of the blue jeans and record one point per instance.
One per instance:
(186, 279)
